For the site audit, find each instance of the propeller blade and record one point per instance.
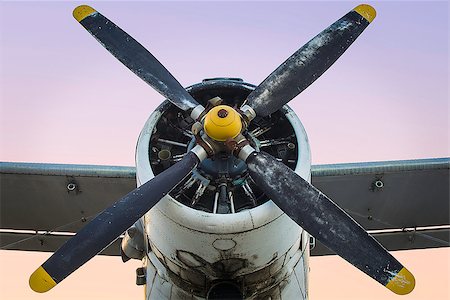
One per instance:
(328, 223)
(108, 225)
(309, 62)
(134, 56)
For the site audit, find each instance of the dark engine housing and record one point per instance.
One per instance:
(220, 184)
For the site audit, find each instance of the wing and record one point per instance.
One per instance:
(43, 205)
(403, 204)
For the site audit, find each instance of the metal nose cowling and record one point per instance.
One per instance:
(295, 196)
(222, 122)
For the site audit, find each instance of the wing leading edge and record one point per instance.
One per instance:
(43, 205)
(404, 204)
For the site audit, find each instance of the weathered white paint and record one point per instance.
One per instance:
(182, 238)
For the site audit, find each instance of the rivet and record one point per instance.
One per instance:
(71, 186)
(379, 184)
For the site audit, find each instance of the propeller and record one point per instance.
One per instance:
(134, 56)
(309, 62)
(109, 224)
(301, 201)
(323, 219)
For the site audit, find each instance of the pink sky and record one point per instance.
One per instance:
(330, 278)
(64, 99)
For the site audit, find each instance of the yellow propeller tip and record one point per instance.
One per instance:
(82, 11)
(41, 281)
(402, 283)
(366, 11)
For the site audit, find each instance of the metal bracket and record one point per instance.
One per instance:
(141, 277)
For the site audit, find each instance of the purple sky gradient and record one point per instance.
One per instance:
(64, 99)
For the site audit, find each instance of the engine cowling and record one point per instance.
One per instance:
(216, 226)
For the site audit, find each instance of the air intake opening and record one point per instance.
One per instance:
(225, 290)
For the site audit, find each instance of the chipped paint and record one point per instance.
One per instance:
(195, 248)
(138, 59)
(306, 65)
(248, 260)
(318, 214)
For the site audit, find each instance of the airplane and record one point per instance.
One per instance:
(222, 201)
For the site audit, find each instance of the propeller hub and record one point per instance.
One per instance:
(222, 122)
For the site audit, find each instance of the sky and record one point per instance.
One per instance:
(64, 99)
